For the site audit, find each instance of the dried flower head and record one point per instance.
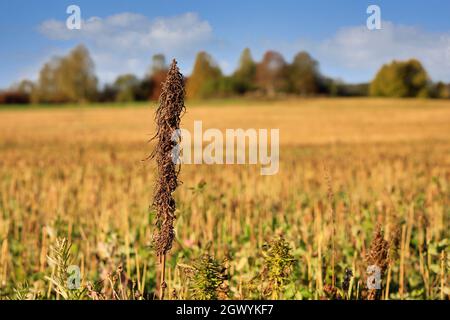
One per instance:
(168, 116)
(378, 256)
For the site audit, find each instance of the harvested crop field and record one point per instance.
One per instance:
(346, 167)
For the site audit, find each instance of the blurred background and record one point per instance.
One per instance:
(233, 49)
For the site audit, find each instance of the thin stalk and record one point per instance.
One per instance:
(162, 285)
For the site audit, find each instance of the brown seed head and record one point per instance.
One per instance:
(168, 116)
(378, 256)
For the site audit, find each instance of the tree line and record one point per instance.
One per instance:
(72, 79)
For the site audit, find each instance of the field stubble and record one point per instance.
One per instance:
(80, 174)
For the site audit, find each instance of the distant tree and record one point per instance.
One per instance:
(244, 76)
(440, 90)
(444, 91)
(47, 86)
(157, 76)
(304, 76)
(108, 93)
(337, 87)
(26, 87)
(126, 86)
(19, 93)
(221, 88)
(271, 73)
(401, 79)
(145, 89)
(68, 79)
(77, 76)
(205, 72)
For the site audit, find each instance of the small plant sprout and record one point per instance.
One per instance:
(207, 278)
(60, 259)
(278, 264)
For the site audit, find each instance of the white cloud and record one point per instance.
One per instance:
(355, 53)
(362, 49)
(131, 31)
(226, 66)
(124, 42)
(359, 52)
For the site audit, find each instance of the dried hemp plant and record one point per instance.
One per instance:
(167, 118)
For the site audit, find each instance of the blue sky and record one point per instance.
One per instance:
(123, 35)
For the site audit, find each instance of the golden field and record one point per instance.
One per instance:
(346, 165)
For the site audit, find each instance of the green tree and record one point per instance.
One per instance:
(48, 89)
(205, 72)
(75, 76)
(126, 86)
(401, 79)
(25, 86)
(68, 79)
(244, 76)
(304, 76)
(440, 90)
(271, 73)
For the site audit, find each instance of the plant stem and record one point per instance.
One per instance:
(162, 285)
